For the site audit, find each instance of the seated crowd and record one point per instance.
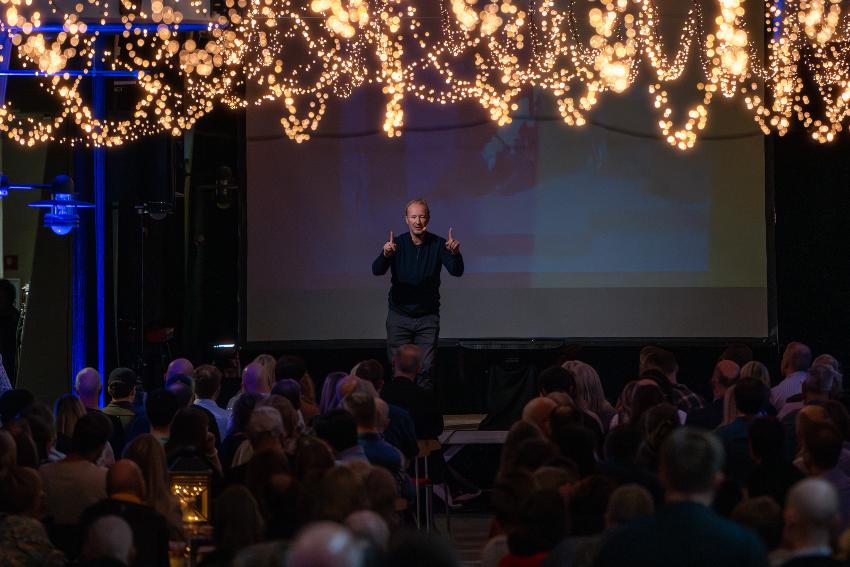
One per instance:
(757, 475)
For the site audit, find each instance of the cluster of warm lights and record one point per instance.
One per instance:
(302, 54)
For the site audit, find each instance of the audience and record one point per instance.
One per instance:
(331, 485)
(685, 531)
(126, 499)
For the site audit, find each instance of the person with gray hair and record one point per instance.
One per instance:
(404, 392)
(795, 361)
(109, 538)
(822, 382)
(686, 531)
(811, 521)
(325, 544)
(87, 386)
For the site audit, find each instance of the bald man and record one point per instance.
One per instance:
(254, 380)
(125, 487)
(725, 374)
(404, 392)
(795, 362)
(177, 366)
(538, 411)
(87, 386)
(811, 517)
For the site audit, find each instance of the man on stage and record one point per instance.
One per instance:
(415, 260)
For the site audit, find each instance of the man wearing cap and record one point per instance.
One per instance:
(122, 385)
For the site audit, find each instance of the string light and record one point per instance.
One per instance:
(303, 55)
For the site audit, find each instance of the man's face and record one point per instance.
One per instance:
(417, 219)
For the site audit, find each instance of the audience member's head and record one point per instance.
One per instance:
(288, 416)
(589, 504)
(738, 353)
(289, 389)
(189, 430)
(125, 477)
(242, 409)
(290, 367)
(808, 417)
(161, 406)
(628, 502)
(87, 385)
(269, 365)
(148, 453)
(68, 410)
(726, 373)
(797, 357)
(811, 514)
(362, 408)
(330, 392)
(538, 412)
(839, 416)
(340, 493)
(578, 445)
(690, 465)
(757, 370)
(623, 443)
(265, 429)
(751, 396)
(656, 424)
(372, 371)
(207, 382)
(122, 384)
(325, 544)
(822, 444)
(821, 382)
(337, 428)
(41, 428)
(13, 402)
(762, 515)
(519, 432)
(90, 436)
(767, 440)
(183, 388)
(179, 366)
(557, 379)
(237, 522)
(254, 379)
(22, 493)
(589, 394)
(647, 394)
(407, 361)
(661, 360)
(109, 538)
(370, 527)
(533, 453)
(313, 457)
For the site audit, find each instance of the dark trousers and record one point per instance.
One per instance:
(422, 331)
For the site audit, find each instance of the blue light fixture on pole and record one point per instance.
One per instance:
(62, 217)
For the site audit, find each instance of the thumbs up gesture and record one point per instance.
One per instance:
(390, 246)
(452, 245)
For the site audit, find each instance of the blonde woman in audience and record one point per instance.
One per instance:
(147, 452)
(68, 410)
(589, 393)
(757, 370)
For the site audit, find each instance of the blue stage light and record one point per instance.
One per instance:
(63, 217)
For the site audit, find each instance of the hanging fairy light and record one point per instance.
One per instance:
(303, 55)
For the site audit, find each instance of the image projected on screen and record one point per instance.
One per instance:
(603, 231)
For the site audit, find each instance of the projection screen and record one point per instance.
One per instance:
(600, 231)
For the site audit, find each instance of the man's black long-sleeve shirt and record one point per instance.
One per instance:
(415, 289)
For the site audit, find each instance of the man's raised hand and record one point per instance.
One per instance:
(390, 246)
(452, 245)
